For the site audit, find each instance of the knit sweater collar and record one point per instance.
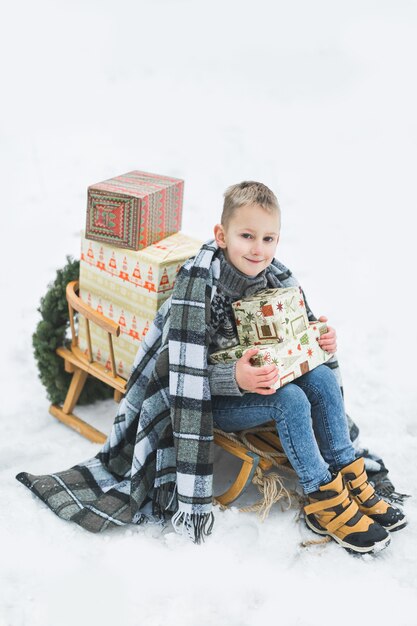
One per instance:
(236, 284)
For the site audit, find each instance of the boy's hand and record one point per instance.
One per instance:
(255, 379)
(328, 341)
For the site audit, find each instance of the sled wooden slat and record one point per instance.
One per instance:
(76, 304)
(273, 445)
(271, 438)
(81, 366)
(75, 358)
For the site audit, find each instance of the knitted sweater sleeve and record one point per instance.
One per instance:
(222, 379)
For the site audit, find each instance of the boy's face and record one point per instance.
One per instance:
(250, 239)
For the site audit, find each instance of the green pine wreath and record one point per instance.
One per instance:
(51, 333)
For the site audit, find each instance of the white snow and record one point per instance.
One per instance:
(316, 99)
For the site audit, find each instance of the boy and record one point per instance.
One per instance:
(158, 458)
(309, 412)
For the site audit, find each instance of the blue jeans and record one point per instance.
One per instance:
(310, 418)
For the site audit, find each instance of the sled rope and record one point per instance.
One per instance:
(272, 489)
(269, 485)
(242, 438)
(315, 542)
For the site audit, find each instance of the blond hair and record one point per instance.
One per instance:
(248, 192)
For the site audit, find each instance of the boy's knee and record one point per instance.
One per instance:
(291, 401)
(322, 375)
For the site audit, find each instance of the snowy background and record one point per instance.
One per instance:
(316, 99)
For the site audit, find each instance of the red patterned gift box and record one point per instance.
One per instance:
(134, 210)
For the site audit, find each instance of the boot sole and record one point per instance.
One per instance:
(377, 547)
(400, 524)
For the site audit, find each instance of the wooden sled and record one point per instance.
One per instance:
(82, 365)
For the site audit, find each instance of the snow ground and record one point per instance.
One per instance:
(317, 100)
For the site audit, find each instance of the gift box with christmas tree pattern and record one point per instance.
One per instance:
(294, 357)
(271, 315)
(134, 210)
(128, 287)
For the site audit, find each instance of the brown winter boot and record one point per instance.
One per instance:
(368, 501)
(332, 512)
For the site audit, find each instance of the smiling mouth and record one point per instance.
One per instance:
(254, 260)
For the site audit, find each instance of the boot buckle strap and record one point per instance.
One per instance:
(322, 505)
(344, 517)
(358, 481)
(367, 493)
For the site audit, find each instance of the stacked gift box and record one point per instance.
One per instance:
(131, 252)
(275, 321)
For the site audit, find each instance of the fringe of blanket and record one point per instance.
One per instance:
(164, 501)
(384, 488)
(196, 526)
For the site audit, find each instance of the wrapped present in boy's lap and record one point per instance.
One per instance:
(293, 357)
(275, 322)
(271, 315)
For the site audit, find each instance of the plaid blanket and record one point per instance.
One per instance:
(158, 459)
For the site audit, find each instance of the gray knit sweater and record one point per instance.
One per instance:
(232, 286)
